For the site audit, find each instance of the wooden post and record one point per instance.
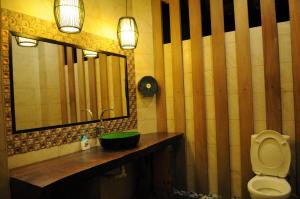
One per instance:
(201, 160)
(221, 98)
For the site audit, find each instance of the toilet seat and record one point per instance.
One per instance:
(270, 154)
(269, 187)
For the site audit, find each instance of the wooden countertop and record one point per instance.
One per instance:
(50, 171)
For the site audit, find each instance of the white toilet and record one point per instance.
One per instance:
(270, 159)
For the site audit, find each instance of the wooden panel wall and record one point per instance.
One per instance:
(159, 70)
(271, 63)
(177, 62)
(71, 80)
(295, 32)
(200, 129)
(244, 85)
(244, 70)
(178, 84)
(221, 98)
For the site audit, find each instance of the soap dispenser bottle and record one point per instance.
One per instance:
(84, 141)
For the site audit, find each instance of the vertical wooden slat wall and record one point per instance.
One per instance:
(62, 86)
(244, 82)
(159, 70)
(295, 32)
(71, 80)
(92, 88)
(271, 63)
(244, 70)
(178, 86)
(177, 64)
(221, 98)
(81, 84)
(201, 160)
(104, 83)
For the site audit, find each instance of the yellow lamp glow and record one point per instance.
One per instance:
(127, 33)
(26, 42)
(69, 15)
(89, 53)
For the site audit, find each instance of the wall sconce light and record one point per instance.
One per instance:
(90, 54)
(69, 15)
(127, 32)
(26, 42)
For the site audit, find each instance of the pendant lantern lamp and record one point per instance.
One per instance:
(127, 32)
(26, 42)
(69, 15)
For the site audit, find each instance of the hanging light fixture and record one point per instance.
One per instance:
(26, 42)
(127, 32)
(89, 53)
(69, 15)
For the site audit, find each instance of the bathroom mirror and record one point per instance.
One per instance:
(56, 84)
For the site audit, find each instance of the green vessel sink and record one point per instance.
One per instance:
(119, 140)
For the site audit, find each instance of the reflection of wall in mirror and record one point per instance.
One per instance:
(99, 84)
(36, 85)
(61, 86)
(107, 73)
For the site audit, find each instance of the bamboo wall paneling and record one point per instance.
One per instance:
(200, 129)
(159, 70)
(272, 67)
(244, 69)
(62, 85)
(178, 85)
(104, 83)
(118, 109)
(82, 86)
(221, 98)
(92, 87)
(295, 32)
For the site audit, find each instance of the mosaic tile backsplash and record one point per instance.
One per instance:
(33, 141)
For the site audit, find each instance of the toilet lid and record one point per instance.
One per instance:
(270, 153)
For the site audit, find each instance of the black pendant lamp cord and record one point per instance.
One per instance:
(126, 8)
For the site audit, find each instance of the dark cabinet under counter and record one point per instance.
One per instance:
(77, 175)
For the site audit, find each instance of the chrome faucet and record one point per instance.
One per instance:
(101, 129)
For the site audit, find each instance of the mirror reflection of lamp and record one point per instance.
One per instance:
(127, 32)
(90, 54)
(26, 42)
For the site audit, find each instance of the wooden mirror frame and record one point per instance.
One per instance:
(13, 112)
(18, 143)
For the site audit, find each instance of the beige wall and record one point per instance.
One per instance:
(258, 95)
(101, 19)
(144, 64)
